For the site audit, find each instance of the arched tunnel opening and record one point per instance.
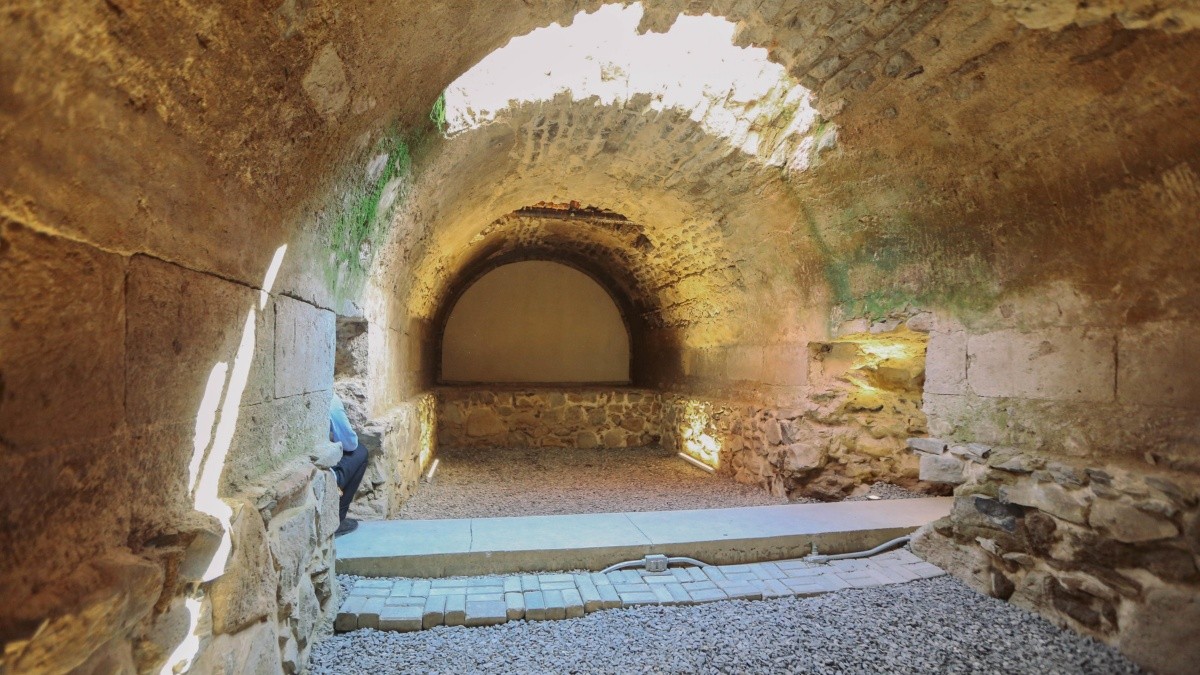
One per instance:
(758, 283)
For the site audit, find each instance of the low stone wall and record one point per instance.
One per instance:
(251, 602)
(824, 450)
(1108, 549)
(533, 417)
(399, 447)
(843, 430)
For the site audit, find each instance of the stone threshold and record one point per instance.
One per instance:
(593, 541)
(420, 604)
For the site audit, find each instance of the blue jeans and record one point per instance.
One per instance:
(350, 471)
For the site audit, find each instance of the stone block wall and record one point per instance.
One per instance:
(1097, 391)
(533, 417)
(142, 405)
(1075, 448)
(399, 441)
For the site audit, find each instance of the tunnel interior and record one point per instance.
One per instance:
(813, 246)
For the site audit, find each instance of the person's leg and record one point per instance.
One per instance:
(352, 469)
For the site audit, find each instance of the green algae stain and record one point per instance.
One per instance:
(879, 267)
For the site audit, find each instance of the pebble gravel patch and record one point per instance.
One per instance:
(930, 626)
(473, 483)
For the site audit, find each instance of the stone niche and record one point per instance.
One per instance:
(548, 417)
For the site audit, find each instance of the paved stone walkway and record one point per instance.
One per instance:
(416, 604)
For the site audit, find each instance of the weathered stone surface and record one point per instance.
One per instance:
(292, 539)
(304, 347)
(56, 294)
(1129, 524)
(125, 588)
(942, 469)
(586, 418)
(246, 591)
(1064, 364)
(326, 495)
(946, 363)
(326, 454)
(186, 330)
(1160, 632)
(326, 83)
(801, 458)
(1049, 497)
(786, 365)
(929, 446)
(1150, 356)
(254, 650)
(484, 422)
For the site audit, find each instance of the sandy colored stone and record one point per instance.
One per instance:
(1150, 356)
(326, 83)
(291, 536)
(57, 295)
(1127, 523)
(1049, 497)
(1065, 364)
(171, 361)
(246, 591)
(304, 348)
(125, 590)
(946, 363)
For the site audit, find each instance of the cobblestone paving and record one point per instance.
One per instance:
(416, 604)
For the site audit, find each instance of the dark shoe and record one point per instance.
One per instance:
(348, 525)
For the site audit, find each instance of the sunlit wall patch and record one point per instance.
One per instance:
(732, 92)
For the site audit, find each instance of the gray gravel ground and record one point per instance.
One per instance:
(932, 626)
(531, 482)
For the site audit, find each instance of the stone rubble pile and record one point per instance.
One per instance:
(1112, 551)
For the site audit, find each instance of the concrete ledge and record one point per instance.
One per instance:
(477, 546)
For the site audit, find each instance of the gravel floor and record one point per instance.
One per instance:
(530, 482)
(932, 626)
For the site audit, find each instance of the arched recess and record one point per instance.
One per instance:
(534, 321)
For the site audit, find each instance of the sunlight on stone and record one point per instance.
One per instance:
(733, 92)
(697, 442)
(211, 457)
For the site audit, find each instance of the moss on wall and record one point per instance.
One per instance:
(369, 198)
(879, 266)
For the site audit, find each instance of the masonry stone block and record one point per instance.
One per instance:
(1075, 364)
(1129, 524)
(58, 296)
(941, 469)
(246, 592)
(186, 332)
(291, 536)
(1158, 364)
(745, 363)
(304, 347)
(946, 363)
(786, 365)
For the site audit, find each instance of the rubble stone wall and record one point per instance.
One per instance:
(532, 417)
(1108, 549)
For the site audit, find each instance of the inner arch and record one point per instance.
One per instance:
(535, 321)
